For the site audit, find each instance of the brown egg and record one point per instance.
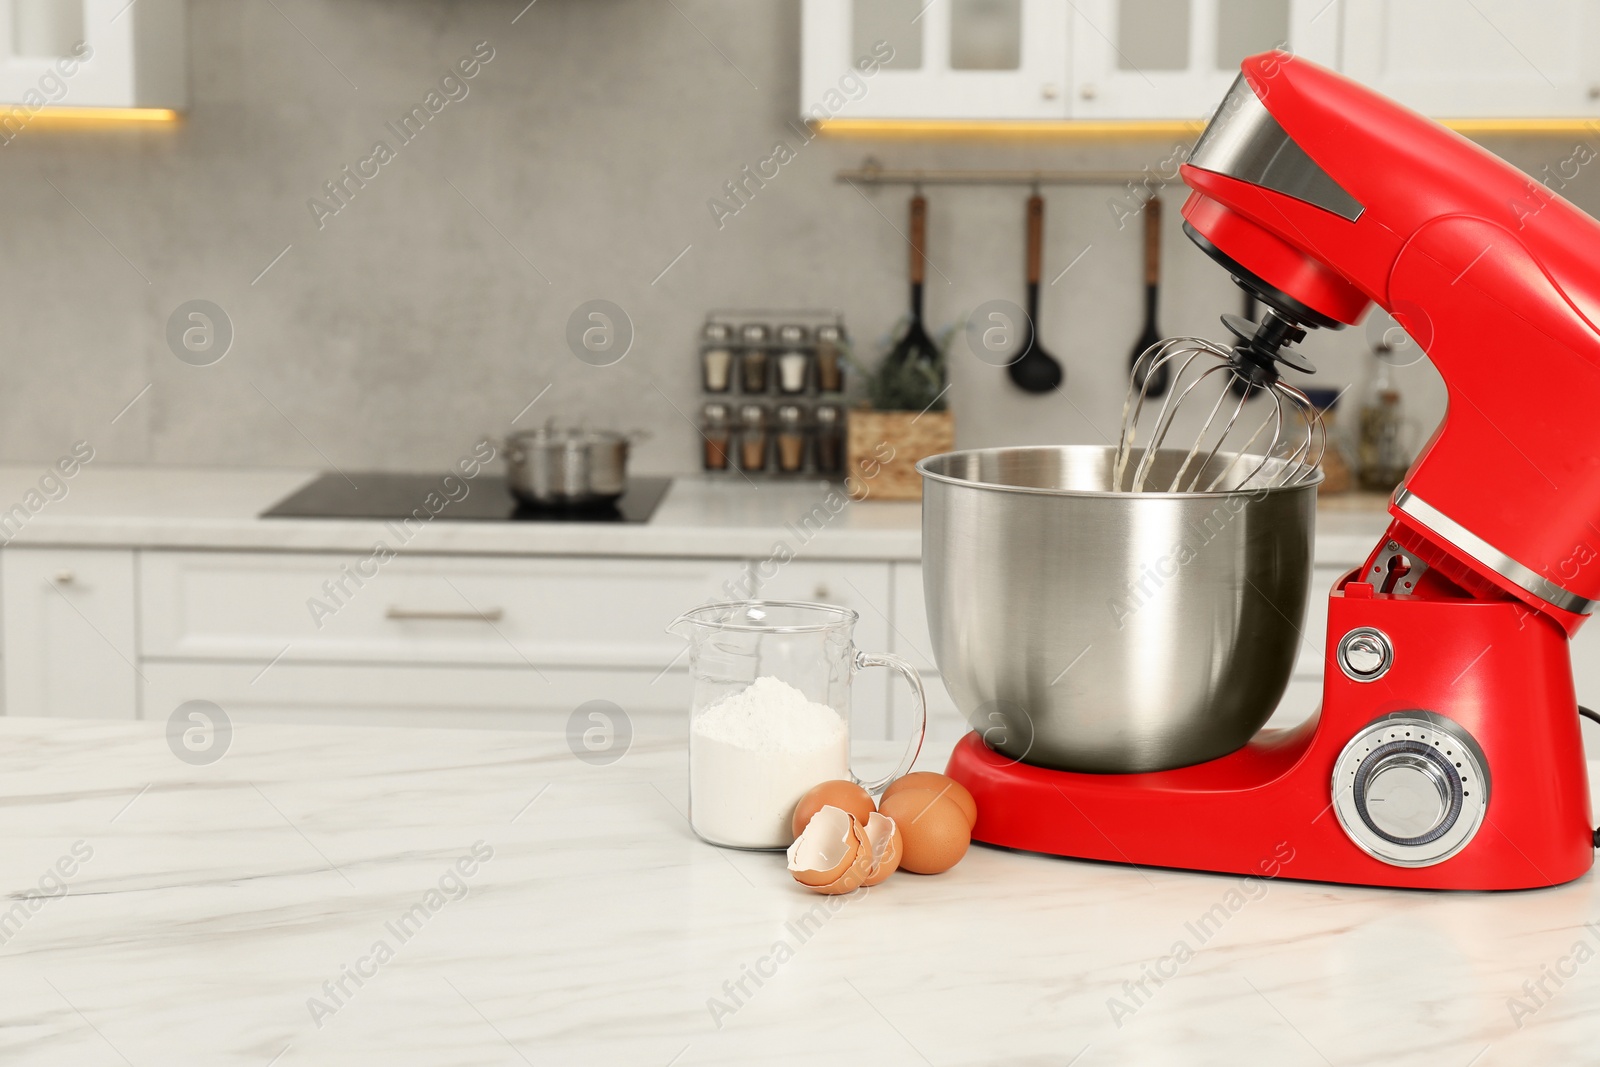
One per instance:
(887, 845)
(939, 784)
(846, 796)
(933, 830)
(832, 854)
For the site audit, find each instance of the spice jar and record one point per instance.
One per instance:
(830, 359)
(830, 439)
(791, 438)
(754, 358)
(753, 437)
(716, 357)
(794, 362)
(718, 434)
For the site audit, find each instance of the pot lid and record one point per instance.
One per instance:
(569, 436)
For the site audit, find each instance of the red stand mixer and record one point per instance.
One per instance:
(1447, 751)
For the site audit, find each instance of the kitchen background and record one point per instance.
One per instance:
(434, 306)
(578, 156)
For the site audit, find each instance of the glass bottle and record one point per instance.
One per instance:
(791, 438)
(716, 357)
(717, 433)
(1381, 453)
(830, 359)
(794, 362)
(829, 433)
(754, 358)
(752, 438)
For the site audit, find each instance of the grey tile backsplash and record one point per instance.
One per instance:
(580, 162)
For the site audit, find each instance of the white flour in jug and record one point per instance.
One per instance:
(753, 755)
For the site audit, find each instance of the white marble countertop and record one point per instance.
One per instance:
(212, 913)
(216, 508)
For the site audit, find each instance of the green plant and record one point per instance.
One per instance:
(917, 385)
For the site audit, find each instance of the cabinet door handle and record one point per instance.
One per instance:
(491, 615)
(64, 578)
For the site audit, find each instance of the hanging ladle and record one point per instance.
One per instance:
(1035, 370)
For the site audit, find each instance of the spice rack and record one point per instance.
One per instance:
(772, 382)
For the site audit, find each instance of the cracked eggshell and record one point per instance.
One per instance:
(832, 854)
(883, 836)
(939, 783)
(839, 793)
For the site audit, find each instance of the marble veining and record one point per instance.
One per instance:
(308, 899)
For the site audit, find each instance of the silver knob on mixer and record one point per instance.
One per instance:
(1407, 796)
(1365, 654)
(1411, 789)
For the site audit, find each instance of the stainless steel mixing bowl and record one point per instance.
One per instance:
(1088, 630)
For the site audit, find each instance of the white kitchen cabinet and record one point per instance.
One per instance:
(1141, 60)
(1483, 58)
(91, 53)
(946, 723)
(1304, 693)
(1045, 59)
(461, 640)
(911, 637)
(510, 611)
(508, 698)
(69, 624)
(1314, 631)
(864, 589)
(953, 59)
(1174, 59)
(480, 641)
(861, 587)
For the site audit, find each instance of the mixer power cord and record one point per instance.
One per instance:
(1592, 717)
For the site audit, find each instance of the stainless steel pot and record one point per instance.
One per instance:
(550, 466)
(1088, 630)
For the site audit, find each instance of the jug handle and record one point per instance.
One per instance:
(919, 716)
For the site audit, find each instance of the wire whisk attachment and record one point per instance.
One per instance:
(1285, 447)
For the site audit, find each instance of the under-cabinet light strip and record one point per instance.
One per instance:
(1136, 128)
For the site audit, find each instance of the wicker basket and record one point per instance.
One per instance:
(884, 447)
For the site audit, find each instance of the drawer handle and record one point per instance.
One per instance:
(492, 615)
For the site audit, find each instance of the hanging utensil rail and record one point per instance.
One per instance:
(871, 174)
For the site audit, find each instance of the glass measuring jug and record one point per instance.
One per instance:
(770, 714)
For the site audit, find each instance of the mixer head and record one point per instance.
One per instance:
(1322, 198)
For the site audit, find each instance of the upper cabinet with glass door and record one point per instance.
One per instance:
(944, 59)
(92, 53)
(1140, 60)
(1173, 59)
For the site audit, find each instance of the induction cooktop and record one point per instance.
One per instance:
(385, 495)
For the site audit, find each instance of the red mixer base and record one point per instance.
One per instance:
(1496, 670)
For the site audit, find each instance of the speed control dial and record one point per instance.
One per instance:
(1411, 789)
